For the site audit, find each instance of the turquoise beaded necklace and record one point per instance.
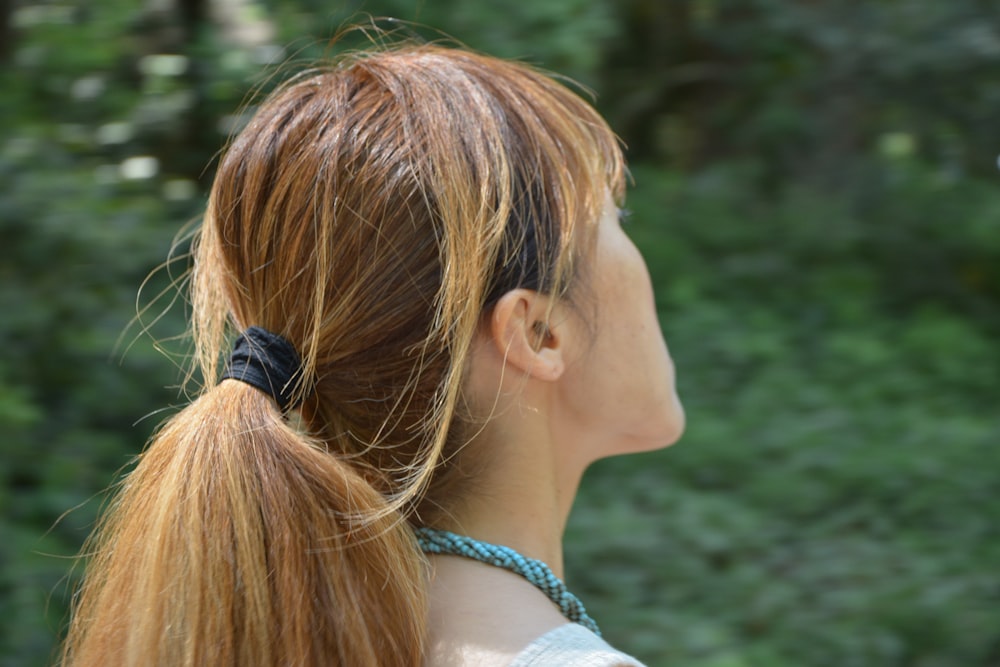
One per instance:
(433, 541)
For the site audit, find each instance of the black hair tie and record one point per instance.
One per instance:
(266, 361)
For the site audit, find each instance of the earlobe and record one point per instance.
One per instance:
(521, 329)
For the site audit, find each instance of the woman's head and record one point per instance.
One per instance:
(372, 210)
(370, 214)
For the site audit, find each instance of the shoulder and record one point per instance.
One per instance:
(572, 645)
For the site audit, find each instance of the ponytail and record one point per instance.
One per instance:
(236, 541)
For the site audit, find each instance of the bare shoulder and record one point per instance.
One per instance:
(482, 616)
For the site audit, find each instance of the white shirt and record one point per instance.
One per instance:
(572, 645)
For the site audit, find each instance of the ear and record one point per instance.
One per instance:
(521, 327)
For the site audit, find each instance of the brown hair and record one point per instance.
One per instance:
(368, 213)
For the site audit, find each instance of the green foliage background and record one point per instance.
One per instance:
(817, 197)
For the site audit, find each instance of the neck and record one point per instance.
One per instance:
(523, 502)
(481, 613)
(520, 497)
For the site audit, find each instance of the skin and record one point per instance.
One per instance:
(564, 386)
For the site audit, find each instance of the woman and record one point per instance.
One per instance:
(440, 325)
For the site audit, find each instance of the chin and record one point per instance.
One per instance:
(668, 431)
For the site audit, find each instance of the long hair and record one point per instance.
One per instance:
(369, 213)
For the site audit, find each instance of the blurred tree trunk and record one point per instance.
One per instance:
(6, 30)
(179, 21)
(661, 75)
(192, 13)
(198, 30)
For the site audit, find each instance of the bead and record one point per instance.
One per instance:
(435, 541)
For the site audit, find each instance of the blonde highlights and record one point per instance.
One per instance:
(366, 214)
